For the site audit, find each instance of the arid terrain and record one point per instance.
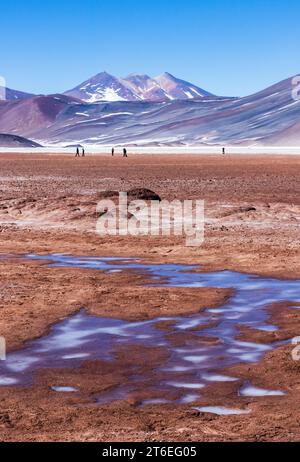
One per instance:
(48, 206)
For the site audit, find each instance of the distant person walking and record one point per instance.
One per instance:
(125, 152)
(77, 152)
(113, 152)
(83, 152)
(223, 151)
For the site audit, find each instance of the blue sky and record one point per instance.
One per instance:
(226, 47)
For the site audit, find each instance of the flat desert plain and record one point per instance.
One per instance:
(117, 355)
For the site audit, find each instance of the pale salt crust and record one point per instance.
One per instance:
(106, 150)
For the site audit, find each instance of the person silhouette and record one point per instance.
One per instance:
(125, 152)
(113, 152)
(83, 152)
(77, 152)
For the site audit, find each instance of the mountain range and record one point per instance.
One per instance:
(163, 111)
(135, 87)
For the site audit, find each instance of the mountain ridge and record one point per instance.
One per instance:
(267, 117)
(135, 87)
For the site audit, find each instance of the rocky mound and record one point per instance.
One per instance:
(135, 193)
(143, 194)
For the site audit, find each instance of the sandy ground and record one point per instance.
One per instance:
(48, 204)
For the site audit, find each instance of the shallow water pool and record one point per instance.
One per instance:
(188, 368)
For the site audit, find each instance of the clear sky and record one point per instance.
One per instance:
(229, 47)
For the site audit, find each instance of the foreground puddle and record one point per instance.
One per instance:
(64, 389)
(249, 390)
(187, 369)
(220, 410)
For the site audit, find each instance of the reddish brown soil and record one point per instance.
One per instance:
(47, 204)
